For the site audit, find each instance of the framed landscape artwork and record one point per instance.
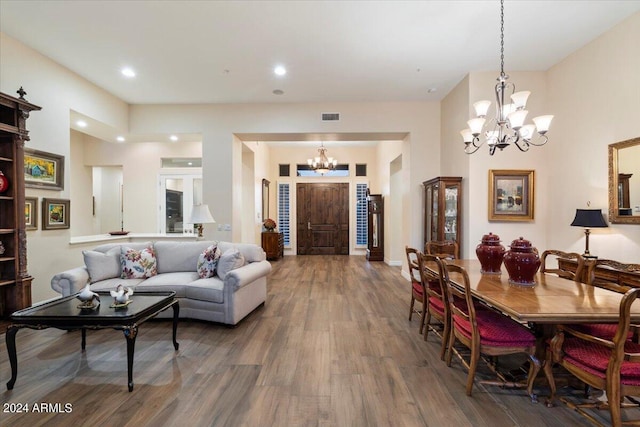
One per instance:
(511, 195)
(31, 213)
(55, 214)
(43, 170)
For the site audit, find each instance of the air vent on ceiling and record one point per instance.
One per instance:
(330, 117)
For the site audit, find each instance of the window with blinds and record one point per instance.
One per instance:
(361, 214)
(284, 212)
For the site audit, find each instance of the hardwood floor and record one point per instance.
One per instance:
(331, 347)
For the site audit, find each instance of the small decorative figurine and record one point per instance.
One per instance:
(90, 299)
(121, 296)
(1, 248)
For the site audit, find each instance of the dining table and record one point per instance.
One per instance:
(549, 300)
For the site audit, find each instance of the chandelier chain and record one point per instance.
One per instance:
(502, 38)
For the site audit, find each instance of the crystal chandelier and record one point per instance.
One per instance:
(322, 164)
(507, 127)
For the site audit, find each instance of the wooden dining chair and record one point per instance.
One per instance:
(612, 365)
(549, 263)
(610, 269)
(436, 304)
(486, 333)
(417, 287)
(442, 248)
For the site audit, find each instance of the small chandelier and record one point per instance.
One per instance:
(322, 164)
(508, 125)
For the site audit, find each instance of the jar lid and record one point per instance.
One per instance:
(521, 244)
(490, 238)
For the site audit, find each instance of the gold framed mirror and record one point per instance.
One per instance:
(624, 182)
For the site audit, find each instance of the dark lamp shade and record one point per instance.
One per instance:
(589, 218)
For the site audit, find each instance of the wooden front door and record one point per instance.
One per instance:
(323, 219)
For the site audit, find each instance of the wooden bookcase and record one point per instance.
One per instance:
(15, 282)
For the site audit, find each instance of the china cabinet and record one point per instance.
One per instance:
(375, 227)
(15, 282)
(443, 210)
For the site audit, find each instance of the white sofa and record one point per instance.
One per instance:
(225, 300)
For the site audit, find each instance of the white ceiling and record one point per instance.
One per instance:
(335, 51)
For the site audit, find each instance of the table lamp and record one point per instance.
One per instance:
(200, 215)
(588, 218)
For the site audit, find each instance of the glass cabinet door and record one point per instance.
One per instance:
(435, 213)
(451, 212)
(375, 230)
(429, 213)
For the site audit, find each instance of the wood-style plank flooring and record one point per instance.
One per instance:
(331, 347)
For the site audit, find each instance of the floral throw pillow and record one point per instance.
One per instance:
(208, 261)
(138, 264)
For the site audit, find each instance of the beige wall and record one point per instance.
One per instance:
(595, 97)
(58, 91)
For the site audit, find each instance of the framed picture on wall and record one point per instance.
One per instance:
(31, 213)
(55, 213)
(43, 170)
(511, 195)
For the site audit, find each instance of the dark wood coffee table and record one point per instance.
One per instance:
(64, 313)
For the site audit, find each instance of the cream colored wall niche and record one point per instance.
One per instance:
(140, 165)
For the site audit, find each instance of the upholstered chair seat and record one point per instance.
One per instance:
(496, 330)
(594, 359)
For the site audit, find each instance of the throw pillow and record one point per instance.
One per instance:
(138, 264)
(229, 260)
(208, 261)
(102, 265)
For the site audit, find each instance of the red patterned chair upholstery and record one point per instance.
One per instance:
(610, 365)
(486, 332)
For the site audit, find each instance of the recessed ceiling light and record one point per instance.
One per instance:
(432, 89)
(120, 139)
(128, 72)
(173, 138)
(278, 92)
(280, 70)
(81, 123)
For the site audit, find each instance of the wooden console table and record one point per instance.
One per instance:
(602, 274)
(273, 244)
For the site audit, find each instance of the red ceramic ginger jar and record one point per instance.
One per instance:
(522, 262)
(490, 253)
(4, 183)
